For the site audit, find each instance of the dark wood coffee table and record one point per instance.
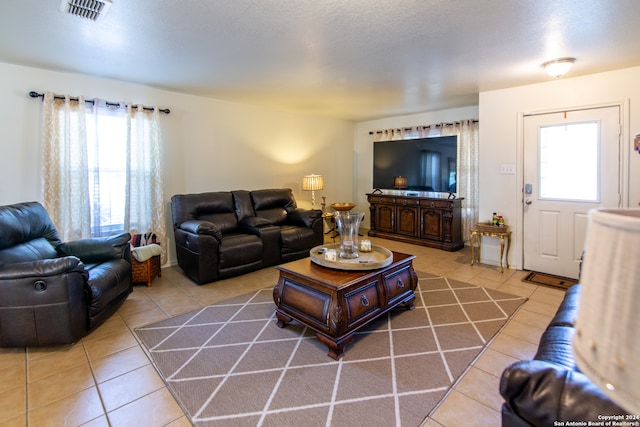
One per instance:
(336, 303)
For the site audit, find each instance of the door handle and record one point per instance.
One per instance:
(527, 202)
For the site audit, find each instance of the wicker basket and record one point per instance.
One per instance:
(145, 271)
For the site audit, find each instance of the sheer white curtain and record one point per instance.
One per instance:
(468, 132)
(65, 176)
(144, 209)
(102, 169)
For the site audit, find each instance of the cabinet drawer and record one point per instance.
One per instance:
(397, 283)
(361, 302)
(387, 200)
(440, 204)
(408, 202)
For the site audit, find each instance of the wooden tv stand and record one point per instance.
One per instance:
(422, 219)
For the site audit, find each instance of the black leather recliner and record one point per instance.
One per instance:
(550, 389)
(52, 292)
(227, 233)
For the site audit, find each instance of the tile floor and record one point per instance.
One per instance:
(107, 379)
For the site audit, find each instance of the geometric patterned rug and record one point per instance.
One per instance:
(228, 364)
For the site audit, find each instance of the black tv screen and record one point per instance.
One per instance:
(428, 164)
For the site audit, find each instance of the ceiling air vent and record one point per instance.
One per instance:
(89, 9)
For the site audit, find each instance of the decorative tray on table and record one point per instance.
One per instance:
(378, 257)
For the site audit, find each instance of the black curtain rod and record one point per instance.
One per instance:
(35, 94)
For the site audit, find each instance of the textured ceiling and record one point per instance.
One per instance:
(351, 59)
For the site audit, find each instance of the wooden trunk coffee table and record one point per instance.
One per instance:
(336, 303)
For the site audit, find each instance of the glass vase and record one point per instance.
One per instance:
(348, 225)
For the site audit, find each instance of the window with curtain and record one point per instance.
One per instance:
(101, 168)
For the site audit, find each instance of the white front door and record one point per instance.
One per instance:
(571, 165)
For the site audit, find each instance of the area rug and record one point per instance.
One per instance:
(550, 280)
(230, 365)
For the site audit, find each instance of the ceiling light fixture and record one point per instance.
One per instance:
(558, 67)
(89, 9)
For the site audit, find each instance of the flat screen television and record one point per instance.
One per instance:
(428, 164)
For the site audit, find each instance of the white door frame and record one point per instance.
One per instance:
(625, 148)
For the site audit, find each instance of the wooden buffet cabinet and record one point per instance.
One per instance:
(426, 220)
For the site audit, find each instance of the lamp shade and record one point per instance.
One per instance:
(606, 344)
(312, 182)
(400, 182)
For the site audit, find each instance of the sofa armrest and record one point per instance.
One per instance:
(304, 217)
(42, 268)
(97, 249)
(541, 392)
(195, 226)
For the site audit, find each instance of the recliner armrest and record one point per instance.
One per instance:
(42, 268)
(304, 217)
(97, 250)
(196, 226)
(541, 393)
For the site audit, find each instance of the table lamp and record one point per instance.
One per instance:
(312, 183)
(399, 182)
(606, 345)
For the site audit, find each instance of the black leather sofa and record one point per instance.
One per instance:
(550, 389)
(52, 292)
(227, 233)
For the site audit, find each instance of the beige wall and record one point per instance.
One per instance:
(209, 144)
(501, 140)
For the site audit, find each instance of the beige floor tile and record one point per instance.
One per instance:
(523, 331)
(48, 363)
(461, 410)
(128, 387)
(110, 344)
(180, 422)
(482, 387)
(514, 347)
(12, 375)
(142, 318)
(532, 318)
(12, 357)
(494, 362)
(539, 307)
(159, 408)
(59, 385)
(113, 365)
(101, 421)
(113, 325)
(75, 410)
(13, 403)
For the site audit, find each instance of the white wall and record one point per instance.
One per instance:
(363, 145)
(501, 140)
(210, 144)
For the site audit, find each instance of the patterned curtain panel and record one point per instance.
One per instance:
(65, 177)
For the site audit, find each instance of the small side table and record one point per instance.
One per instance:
(330, 219)
(488, 230)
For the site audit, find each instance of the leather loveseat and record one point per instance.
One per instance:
(52, 292)
(227, 233)
(550, 389)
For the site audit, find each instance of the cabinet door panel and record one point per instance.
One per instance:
(385, 215)
(408, 221)
(432, 224)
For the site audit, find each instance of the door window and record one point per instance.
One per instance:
(569, 162)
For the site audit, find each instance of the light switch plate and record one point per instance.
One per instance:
(507, 169)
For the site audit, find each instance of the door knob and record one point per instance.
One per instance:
(527, 202)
